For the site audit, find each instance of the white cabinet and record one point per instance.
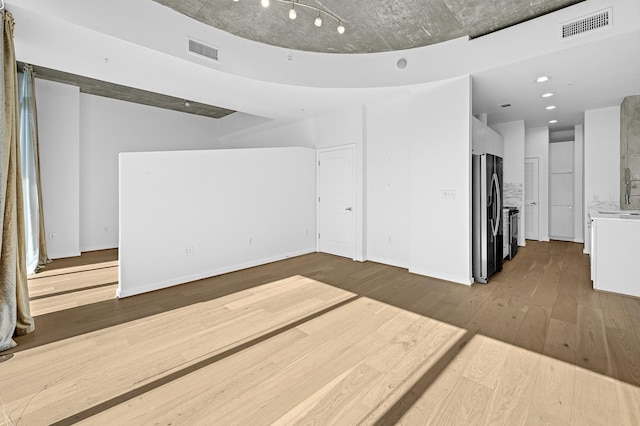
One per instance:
(561, 222)
(592, 252)
(614, 255)
(561, 157)
(561, 191)
(505, 233)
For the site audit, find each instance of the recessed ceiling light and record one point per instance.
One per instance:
(547, 95)
(187, 103)
(550, 107)
(542, 79)
(553, 121)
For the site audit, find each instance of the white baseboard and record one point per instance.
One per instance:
(63, 254)
(455, 279)
(388, 262)
(98, 248)
(121, 293)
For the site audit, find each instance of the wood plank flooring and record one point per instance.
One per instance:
(320, 339)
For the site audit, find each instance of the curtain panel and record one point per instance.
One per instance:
(15, 317)
(36, 243)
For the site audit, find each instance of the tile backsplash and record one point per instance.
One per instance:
(513, 194)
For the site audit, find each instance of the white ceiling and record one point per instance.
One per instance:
(595, 75)
(282, 85)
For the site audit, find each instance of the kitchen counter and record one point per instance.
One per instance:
(615, 250)
(614, 214)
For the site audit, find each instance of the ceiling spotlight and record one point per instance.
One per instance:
(236, 0)
(547, 95)
(550, 107)
(187, 103)
(553, 121)
(542, 79)
(296, 4)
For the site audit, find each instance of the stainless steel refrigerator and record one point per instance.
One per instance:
(487, 216)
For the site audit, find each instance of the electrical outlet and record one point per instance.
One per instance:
(188, 251)
(52, 236)
(250, 241)
(448, 194)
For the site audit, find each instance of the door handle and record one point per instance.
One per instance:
(348, 209)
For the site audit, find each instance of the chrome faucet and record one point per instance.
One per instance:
(627, 195)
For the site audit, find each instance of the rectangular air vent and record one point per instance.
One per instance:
(201, 49)
(587, 23)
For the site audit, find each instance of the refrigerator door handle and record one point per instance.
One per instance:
(496, 186)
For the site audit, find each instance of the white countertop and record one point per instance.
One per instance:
(614, 214)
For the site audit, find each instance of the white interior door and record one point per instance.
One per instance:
(531, 202)
(336, 201)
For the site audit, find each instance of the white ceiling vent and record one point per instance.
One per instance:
(202, 49)
(594, 21)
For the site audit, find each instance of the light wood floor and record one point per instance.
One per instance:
(321, 339)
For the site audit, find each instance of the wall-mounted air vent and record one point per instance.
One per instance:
(594, 21)
(201, 49)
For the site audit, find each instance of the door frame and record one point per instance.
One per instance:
(356, 206)
(524, 199)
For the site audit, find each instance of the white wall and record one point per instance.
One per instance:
(108, 127)
(273, 134)
(601, 160)
(418, 146)
(537, 146)
(602, 156)
(485, 140)
(80, 138)
(388, 182)
(342, 127)
(440, 141)
(233, 208)
(513, 169)
(58, 126)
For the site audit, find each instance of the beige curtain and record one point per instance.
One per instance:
(15, 317)
(35, 241)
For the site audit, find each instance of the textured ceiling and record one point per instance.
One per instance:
(371, 25)
(129, 94)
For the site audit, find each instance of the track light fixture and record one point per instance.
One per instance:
(293, 13)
